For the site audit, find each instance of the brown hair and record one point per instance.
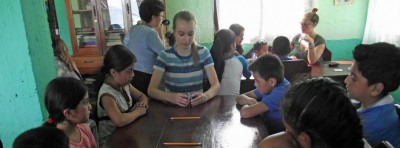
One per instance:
(314, 18)
(187, 16)
(60, 51)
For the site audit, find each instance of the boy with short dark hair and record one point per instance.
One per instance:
(374, 74)
(270, 86)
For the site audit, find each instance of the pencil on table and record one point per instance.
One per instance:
(184, 118)
(182, 144)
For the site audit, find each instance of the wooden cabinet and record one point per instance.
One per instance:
(96, 25)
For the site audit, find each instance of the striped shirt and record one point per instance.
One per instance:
(180, 74)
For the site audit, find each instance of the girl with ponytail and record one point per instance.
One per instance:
(67, 102)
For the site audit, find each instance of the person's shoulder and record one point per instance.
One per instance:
(278, 140)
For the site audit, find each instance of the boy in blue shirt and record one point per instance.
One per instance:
(270, 86)
(374, 74)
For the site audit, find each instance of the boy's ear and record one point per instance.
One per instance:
(304, 139)
(376, 89)
(272, 81)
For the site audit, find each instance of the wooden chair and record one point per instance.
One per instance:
(326, 55)
(296, 69)
(384, 144)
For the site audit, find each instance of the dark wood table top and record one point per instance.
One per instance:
(219, 125)
(322, 69)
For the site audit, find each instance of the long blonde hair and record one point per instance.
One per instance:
(60, 51)
(187, 16)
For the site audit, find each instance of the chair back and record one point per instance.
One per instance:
(397, 106)
(326, 55)
(295, 69)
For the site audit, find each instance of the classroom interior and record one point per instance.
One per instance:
(27, 61)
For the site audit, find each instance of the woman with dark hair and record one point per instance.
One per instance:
(229, 67)
(145, 42)
(239, 32)
(317, 113)
(309, 45)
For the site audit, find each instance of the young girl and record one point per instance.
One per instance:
(118, 103)
(229, 68)
(65, 64)
(309, 45)
(66, 100)
(182, 67)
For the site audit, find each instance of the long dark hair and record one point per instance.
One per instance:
(321, 108)
(62, 93)
(118, 57)
(222, 45)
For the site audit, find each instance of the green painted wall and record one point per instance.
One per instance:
(26, 66)
(63, 23)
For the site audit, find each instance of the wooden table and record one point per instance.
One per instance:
(220, 125)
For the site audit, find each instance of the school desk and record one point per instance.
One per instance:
(216, 123)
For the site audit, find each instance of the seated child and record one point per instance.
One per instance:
(281, 47)
(259, 48)
(229, 67)
(317, 113)
(118, 103)
(67, 101)
(374, 74)
(270, 88)
(42, 137)
(183, 67)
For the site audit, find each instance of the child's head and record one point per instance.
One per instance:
(169, 36)
(118, 64)
(151, 8)
(66, 98)
(267, 71)
(260, 48)
(281, 46)
(42, 137)
(375, 71)
(223, 45)
(319, 110)
(239, 32)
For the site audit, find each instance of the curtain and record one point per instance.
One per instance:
(263, 19)
(383, 22)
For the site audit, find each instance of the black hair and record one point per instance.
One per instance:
(149, 8)
(321, 108)
(268, 66)
(118, 57)
(222, 45)
(171, 38)
(42, 137)
(281, 46)
(379, 63)
(62, 93)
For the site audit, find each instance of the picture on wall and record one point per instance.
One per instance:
(342, 2)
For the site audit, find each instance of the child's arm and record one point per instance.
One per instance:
(248, 98)
(154, 92)
(140, 97)
(200, 98)
(253, 110)
(118, 118)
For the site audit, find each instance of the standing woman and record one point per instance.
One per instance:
(309, 45)
(239, 32)
(144, 42)
(181, 68)
(229, 67)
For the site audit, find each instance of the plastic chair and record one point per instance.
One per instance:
(326, 55)
(296, 69)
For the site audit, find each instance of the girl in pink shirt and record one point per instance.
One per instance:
(66, 100)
